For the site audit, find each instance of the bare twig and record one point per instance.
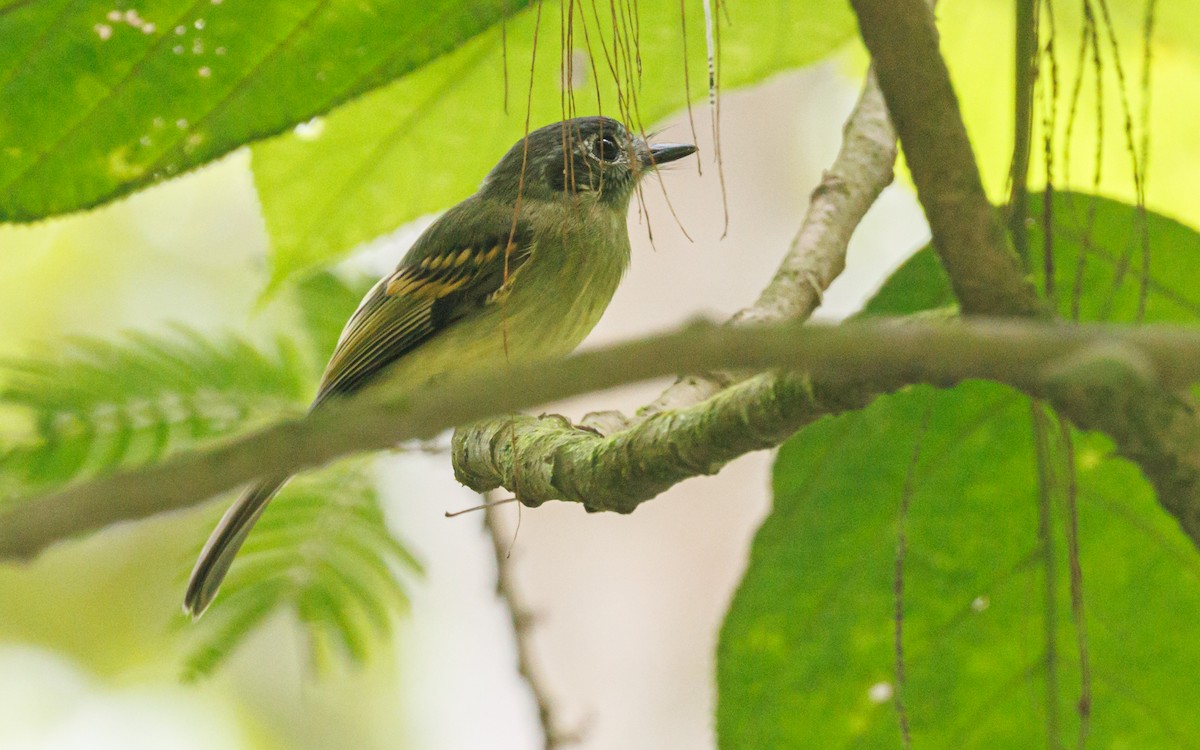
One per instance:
(1071, 489)
(817, 256)
(1046, 482)
(1025, 80)
(906, 496)
(522, 624)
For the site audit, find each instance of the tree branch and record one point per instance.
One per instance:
(1154, 428)
(554, 736)
(617, 473)
(862, 169)
(1096, 375)
(967, 235)
(1112, 379)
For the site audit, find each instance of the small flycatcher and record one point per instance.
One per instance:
(522, 269)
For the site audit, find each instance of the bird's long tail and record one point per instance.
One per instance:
(223, 545)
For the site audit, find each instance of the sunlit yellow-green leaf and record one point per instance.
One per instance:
(977, 40)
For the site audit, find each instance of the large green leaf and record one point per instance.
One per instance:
(810, 631)
(1097, 261)
(102, 97)
(920, 283)
(426, 141)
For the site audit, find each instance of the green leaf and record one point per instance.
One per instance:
(103, 97)
(1096, 264)
(810, 631)
(920, 283)
(1097, 261)
(323, 549)
(426, 141)
(94, 405)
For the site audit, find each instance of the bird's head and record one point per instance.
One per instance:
(587, 156)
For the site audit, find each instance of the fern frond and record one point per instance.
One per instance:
(323, 550)
(95, 405)
(90, 406)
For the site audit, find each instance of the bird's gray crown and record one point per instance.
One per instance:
(586, 155)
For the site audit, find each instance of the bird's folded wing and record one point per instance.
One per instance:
(423, 296)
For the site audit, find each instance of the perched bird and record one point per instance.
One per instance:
(521, 269)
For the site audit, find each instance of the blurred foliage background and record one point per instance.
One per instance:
(196, 195)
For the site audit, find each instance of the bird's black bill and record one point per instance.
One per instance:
(662, 153)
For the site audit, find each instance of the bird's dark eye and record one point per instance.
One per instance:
(606, 149)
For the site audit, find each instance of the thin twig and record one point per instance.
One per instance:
(522, 623)
(1025, 81)
(1084, 706)
(1049, 128)
(906, 496)
(1045, 473)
